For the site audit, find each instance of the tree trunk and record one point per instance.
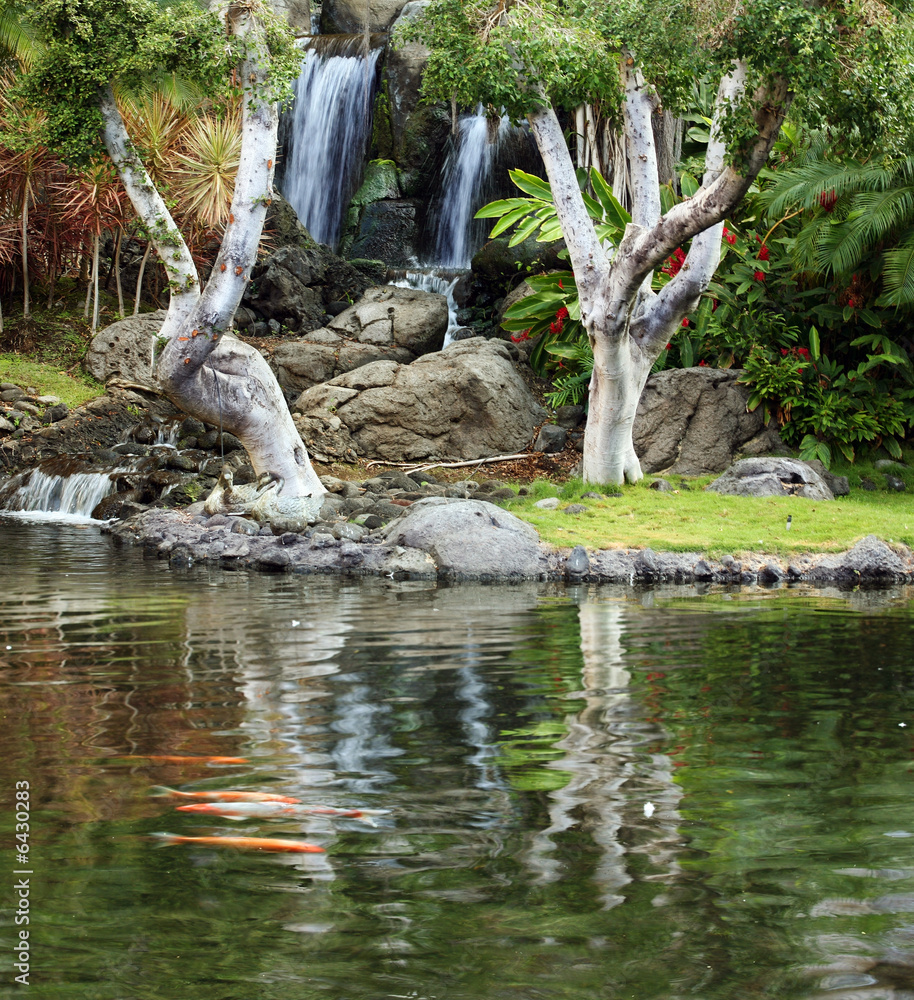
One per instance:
(215, 377)
(117, 274)
(95, 282)
(139, 280)
(26, 304)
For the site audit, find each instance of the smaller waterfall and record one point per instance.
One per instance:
(56, 486)
(466, 187)
(330, 124)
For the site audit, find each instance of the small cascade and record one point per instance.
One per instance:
(167, 434)
(60, 486)
(467, 186)
(330, 125)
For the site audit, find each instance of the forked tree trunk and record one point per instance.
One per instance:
(215, 377)
(627, 322)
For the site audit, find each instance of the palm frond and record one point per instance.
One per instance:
(803, 187)
(898, 274)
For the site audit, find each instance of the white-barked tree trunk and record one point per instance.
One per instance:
(214, 377)
(627, 322)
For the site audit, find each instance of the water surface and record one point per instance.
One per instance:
(595, 793)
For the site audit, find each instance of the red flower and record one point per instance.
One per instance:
(729, 237)
(561, 285)
(784, 352)
(828, 200)
(759, 275)
(803, 352)
(674, 263)
(702, 364)
(562, 313)
(668, 346)
(763, 252)
(523, 335)
(685, 322)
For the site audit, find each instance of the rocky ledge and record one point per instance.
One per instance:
(448, 538)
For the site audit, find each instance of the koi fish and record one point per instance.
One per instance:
(275, 844)
(219, 795)
(262, 810)
(167, 759)
(239, 810)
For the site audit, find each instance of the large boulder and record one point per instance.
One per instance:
(391, 316)
(693, 421)
(323, 355)
(125, 349)
(465, 402)
(347, 17)
(470, 539)
(772, 477)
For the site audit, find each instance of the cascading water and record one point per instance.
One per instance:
(466, 187)
(57, 486)
(331, 122)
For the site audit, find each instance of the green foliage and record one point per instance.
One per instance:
(88, 44)
(858, 57)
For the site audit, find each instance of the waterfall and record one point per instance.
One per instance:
(57, 487)
(466, 187)
(331, 122)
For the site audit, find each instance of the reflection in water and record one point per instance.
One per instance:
(516, 735)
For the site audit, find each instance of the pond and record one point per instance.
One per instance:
(582, 792)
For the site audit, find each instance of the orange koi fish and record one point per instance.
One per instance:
(219, 795)
(167, 759)
(240, 810)
(275, 844)
(263, 810)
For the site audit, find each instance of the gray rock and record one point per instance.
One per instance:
(125, 349)
(693, 421)
(348, 17)
(576, 508)
(549, 503)
(550, 439)
(661, 485)
(577, 564)
(470, 539)
(894, 483)
(767, 477)
(869, 561)
(569, 416)
(839, 485)
(464, 402)
(390, 316)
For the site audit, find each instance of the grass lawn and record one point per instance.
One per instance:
(695, 520)
(48, 379)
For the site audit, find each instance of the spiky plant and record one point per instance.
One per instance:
(157, 123)
(205, 179)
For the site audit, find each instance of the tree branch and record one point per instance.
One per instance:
(588, 258)
(637, 110)
(714, 202)
(153, 213)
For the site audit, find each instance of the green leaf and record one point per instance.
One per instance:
(613, 211)
(497, 208)
(686, 351)
(814, 346)
(524, 230)
(892, 447)
(530, 184)
(689, 184)
(509, 219)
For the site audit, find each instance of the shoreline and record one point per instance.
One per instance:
(436, 542)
